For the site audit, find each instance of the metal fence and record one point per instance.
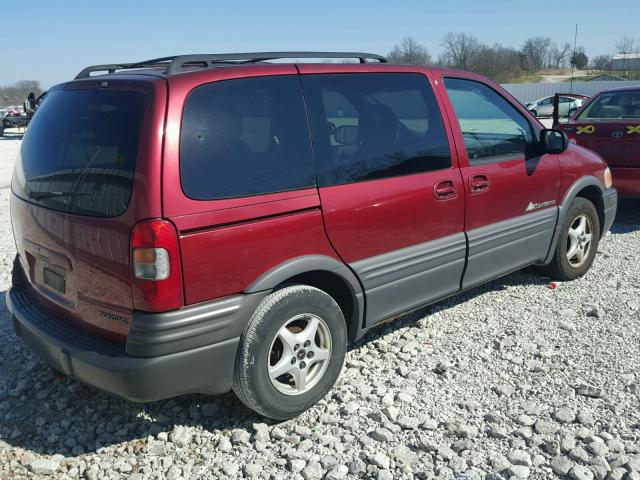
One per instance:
(529, 92)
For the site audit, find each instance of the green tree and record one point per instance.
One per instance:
(580, 60)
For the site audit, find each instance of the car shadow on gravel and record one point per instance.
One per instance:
(628, 216)
(48, 414)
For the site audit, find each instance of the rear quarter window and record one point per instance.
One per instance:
(245, 137)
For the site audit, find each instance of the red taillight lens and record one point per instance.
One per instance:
(155, 265)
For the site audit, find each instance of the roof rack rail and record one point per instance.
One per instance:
(112, 67)
(181, 63)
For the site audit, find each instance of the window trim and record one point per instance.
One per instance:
(514, 104)
(445, 126)
(314, 186)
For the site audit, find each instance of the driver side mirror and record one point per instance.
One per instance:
(553, 141)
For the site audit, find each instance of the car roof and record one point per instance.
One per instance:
(629, 88)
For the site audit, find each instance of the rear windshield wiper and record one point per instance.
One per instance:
(43, 195)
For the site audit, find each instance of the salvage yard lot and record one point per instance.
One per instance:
(514, 378)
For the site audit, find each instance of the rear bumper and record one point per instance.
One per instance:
(626, 180)
(203, 367)
(610, 203)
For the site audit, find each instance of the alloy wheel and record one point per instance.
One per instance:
(579, 240)
(299, 354)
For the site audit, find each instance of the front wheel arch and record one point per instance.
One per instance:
(560, 267)
(588, 187)
(594, 195)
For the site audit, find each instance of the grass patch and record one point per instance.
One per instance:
(527, 78)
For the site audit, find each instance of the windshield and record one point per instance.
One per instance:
(79, 152)
(613, 106)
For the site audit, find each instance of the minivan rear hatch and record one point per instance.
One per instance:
(74, 203)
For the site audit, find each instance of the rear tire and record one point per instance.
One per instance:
(291, 353)
(578, 242)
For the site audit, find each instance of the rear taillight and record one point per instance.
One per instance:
(155, 264)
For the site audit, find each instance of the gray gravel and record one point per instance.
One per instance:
(511, 380)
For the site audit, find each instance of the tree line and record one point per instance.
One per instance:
(17, 93)
(504, 64)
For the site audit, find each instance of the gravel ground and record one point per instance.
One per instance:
(511, 380)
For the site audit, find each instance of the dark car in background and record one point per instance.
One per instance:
(609, 125)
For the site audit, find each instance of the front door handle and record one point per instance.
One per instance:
(478, 183)
(445, 190)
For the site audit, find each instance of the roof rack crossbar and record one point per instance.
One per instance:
(111, 68)
(180, 63)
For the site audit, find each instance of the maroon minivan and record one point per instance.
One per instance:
(610, 125)
(205, 223)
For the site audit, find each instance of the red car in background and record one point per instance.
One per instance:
(610, 125)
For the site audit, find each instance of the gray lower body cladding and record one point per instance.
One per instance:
(398, 281)
(191, 350)
(610, 204)
(402, 280)
(505, 246)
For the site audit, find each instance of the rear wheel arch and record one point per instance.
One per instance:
(325, 273)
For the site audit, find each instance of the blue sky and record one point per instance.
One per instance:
(52, 40)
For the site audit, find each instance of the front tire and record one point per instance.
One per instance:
(291, 353)
(578, 242)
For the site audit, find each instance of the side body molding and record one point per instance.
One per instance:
(401, 280)
(571, 193)
(509, 245)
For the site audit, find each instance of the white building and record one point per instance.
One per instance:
(626, 61)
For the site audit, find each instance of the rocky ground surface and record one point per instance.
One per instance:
(511, 380)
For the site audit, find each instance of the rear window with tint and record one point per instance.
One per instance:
(245, 137)
(79, 152)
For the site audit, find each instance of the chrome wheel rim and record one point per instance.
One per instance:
(299, 354)
(579, 241)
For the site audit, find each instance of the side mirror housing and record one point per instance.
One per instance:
(553, 141)
(346, 135)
